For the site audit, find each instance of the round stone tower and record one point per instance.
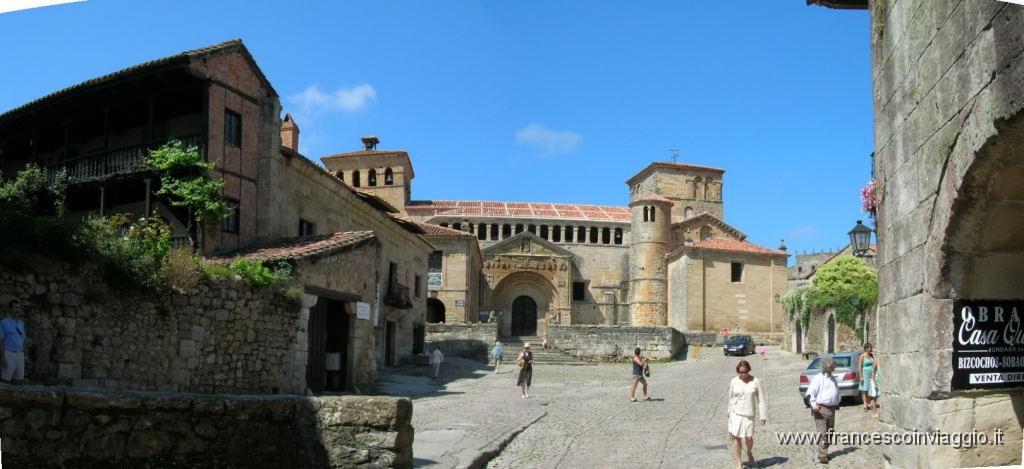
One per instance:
(651, 221)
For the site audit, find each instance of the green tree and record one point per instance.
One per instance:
(845, 277)
(185, 178)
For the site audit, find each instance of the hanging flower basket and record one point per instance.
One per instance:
(869, 197)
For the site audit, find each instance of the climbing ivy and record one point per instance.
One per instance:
(846, 284)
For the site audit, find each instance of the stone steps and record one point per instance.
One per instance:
(551, 356)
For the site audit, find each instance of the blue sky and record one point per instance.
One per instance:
(531, 100)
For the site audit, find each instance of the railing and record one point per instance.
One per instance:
(126, 160)
(398, 296)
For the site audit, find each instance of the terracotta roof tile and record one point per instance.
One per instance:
(300, 247)
(457, 208)
(735, 245)
(437, 231)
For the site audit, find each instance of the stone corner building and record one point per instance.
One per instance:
(949, 123)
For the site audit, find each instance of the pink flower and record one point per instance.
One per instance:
(869, 197)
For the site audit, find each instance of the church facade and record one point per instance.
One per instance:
(667, 259)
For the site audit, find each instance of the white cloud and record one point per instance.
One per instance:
(804, 232)
(315, 101)
(15, 5)
(550, 142)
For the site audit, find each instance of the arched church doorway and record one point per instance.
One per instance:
(831, 334)
(799, 338)
(435, 310)
(524, 316)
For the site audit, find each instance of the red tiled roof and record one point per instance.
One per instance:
(652, 198)
(735, 245)
(300, 247)
(438, 231)
(457, 208)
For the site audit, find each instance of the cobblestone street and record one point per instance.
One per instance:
(581, 416)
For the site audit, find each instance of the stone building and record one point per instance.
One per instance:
(949, 120)
(668, 259)
(284, 207)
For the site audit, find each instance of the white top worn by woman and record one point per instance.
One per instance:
(745, 398)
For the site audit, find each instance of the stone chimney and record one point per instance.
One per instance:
(370, 142)
(289, 133)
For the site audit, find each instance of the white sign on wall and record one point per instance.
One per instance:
(434, 280)
(363, 310)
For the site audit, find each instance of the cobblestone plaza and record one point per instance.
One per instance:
(581, 416)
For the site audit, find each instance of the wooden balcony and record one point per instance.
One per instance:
(119, 161)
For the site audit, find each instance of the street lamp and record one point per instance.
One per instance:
(860, 239)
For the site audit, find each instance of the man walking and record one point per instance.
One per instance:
(12, 345)
(823, 394)
(496, 354)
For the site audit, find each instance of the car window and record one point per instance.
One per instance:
(840, 362)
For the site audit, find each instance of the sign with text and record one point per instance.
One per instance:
(988, 344)
(363, 310)
(434, 280)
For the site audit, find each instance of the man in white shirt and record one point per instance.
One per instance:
(823, 394)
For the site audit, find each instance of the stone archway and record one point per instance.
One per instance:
(830, 334)
(435, 310)
(537, 290)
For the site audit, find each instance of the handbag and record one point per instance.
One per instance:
(521, 362)
(647, 371)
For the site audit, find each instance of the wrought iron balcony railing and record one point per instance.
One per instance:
(398, 296)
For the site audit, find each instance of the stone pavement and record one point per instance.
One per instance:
(582, 417)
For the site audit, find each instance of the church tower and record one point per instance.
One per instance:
(650, 223)
(384, 173)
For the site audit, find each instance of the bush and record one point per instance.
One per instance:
(253, 272)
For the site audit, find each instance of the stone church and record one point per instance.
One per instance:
(667, 259)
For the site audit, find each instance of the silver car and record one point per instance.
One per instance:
(845, 374)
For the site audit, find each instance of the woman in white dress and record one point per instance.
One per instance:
(746, 401)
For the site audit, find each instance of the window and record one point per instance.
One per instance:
(434, 262)
(688, 212)
(593, 235)
(618, 236)
(340, 175)
(232, 128)
(306, 228)
(230, 223)
(494, 231)
(705, 233)
(371, 178)
(355, 178)
(737, 272)
(568, 233)
(506, 231)
(481, 231)
(579, 290)
(606, 235)
(419, 284)
(544, 231)
(556, 233)
(389, 177)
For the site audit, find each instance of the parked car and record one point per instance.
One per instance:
(845, 374)
(738, 345)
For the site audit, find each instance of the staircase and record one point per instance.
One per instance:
(514, 344)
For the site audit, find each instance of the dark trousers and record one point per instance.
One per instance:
(825, 423)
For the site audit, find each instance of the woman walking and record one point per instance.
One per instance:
(525, 362)
(868, 369)
(496, 354)
(746, 400)
(639, 366)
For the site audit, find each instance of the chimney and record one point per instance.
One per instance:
(289, 133)
(370, 142)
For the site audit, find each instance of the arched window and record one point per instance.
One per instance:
(532, 229)
(646, 216)
(389, 177)
(340, 175)
(696, 187)
(355, 178)
(688, 212)
(544, 231)
(506, 231)
(593, 235)
(569, 231)
(606, 235)
(652, 213)
(705, 233)
(481, 231)
(556, 233)
(618, 236)
(372, 178)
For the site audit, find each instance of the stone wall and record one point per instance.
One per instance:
(613, 343)
(948, 124)
(221, 336)
(62, 427)
(462, 340)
